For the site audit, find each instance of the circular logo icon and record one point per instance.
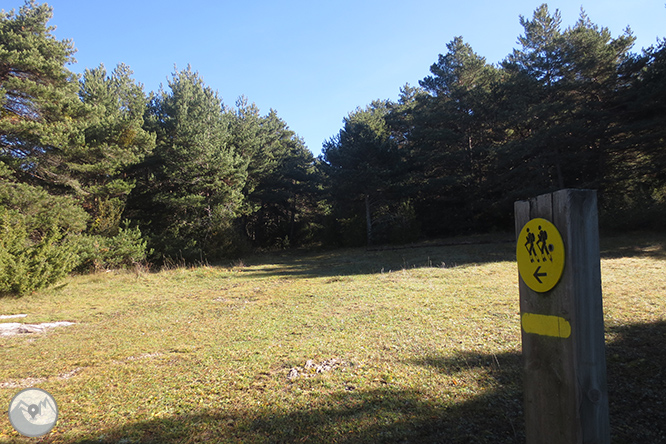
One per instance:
(540, 255)
(33, 412)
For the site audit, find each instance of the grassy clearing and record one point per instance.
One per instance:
(426, 343)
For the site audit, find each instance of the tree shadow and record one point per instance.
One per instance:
(652, 245)
(636, 363)
(458, 252)
(386, 415)
(359, 261)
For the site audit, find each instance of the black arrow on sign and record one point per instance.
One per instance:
(537, 275)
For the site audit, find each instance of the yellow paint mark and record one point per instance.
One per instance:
(546, 325)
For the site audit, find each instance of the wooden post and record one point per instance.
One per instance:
(566, 397)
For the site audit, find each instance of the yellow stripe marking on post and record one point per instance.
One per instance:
(546, 325)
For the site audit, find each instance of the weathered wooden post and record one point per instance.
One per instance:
(566, 398)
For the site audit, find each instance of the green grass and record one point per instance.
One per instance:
(427, 340)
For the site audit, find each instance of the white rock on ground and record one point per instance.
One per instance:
(13, 316)
(15, 328)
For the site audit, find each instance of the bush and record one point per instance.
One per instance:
(35, 228)
(41, 240)
(96, 252)
(213, 237)
(28, 264)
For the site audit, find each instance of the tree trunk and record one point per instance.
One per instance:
(368, 219)
(292, 221)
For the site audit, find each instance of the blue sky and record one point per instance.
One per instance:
(312, 61)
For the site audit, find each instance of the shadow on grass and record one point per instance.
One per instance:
(652, 245)
(636, 363)
(440, 254)
(385, 415)
(359, 261)
(376, 416)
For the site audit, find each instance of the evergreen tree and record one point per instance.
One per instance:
(650, 121)
(451, 140)
(40, 119)
(250, 141)
(531, 107)
(540, 57)
(192, 186)
(114, 142)
(592, 90)
(364, 167)
(635, 182)
(39, 124)
(35, 233)
(280, 171)
(560, 101)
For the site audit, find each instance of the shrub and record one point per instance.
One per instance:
(30, 260)
(96, 252)
(34, 231)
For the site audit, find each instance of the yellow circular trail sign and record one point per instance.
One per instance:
(540, 255)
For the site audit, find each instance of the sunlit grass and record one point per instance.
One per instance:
(427, 342)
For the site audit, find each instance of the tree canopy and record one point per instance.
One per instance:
(569, 107)
(95, 172)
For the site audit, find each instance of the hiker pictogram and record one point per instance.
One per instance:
(545, 249)
(530, 245)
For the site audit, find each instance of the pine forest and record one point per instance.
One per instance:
(97, 173)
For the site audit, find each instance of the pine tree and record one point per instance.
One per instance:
(540, 57)
(635, 180)
(531, 107)
(115, 141)
(35, 233)
(40, 122)
(285, 189)
(453, 131)
(279, 175)
(560, 97)
(364, 167)
(192, 188)
(592, 89)
(40, 118)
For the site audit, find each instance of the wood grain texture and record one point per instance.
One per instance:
(566, 398)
